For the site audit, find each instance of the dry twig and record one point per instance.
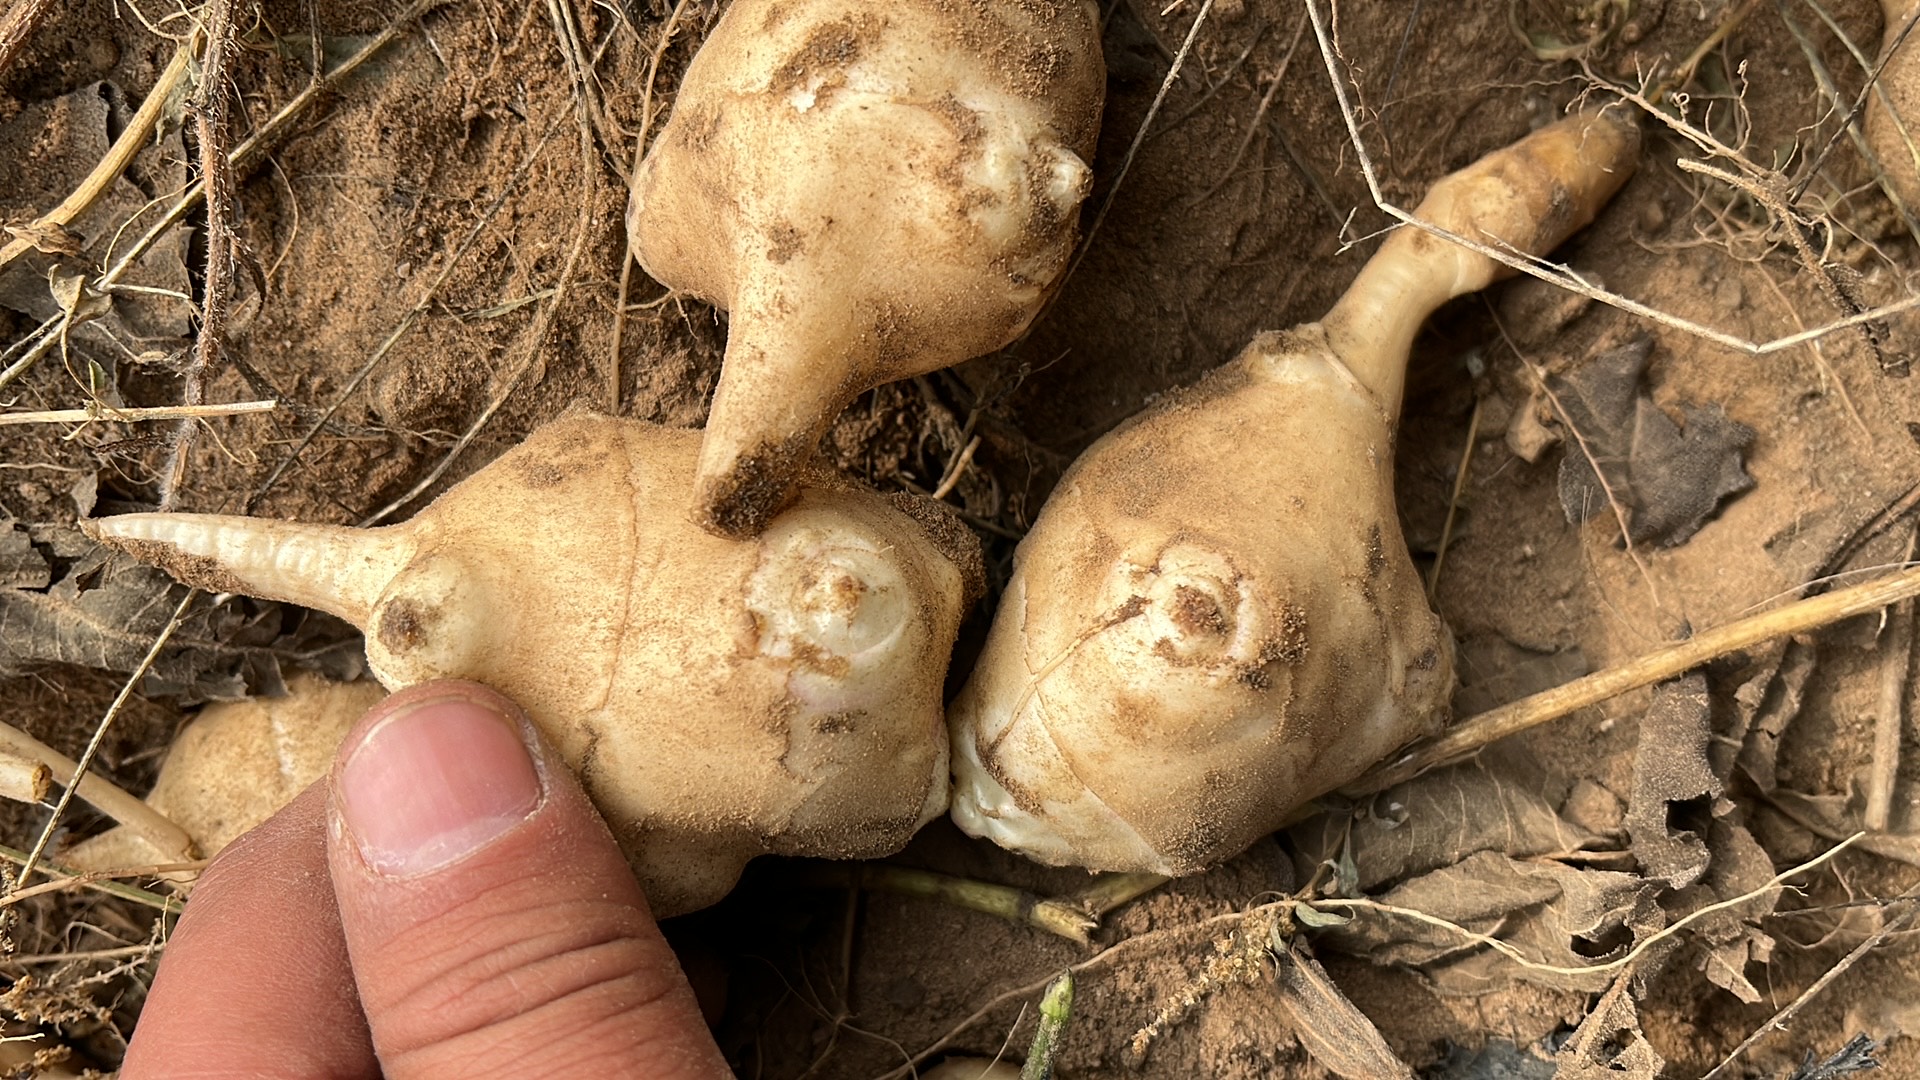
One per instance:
(1799, 617)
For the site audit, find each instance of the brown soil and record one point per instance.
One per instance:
(438, 198)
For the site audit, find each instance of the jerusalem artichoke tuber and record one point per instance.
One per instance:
(872, 191)
(720, 699)
(1215, 618)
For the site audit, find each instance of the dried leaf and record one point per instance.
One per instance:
(1554, 914)
(1608, 1044)
(21, 567)
(1334, 1031)
(1435, 821)
(103, 612)
(1668, 481)
(1731, 938)
(1673, 782)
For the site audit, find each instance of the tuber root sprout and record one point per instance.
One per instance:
(719, 699)
(871, 191)
(1215, 617)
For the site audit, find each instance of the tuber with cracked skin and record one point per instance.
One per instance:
(720, 699)
(1215, 618)
(871, 191)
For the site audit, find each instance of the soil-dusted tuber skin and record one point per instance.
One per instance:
(1215, 618)
(872, 191)
(1893, 121)
(235, 765)
(720, 699)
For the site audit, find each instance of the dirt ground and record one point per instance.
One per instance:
(439, 241)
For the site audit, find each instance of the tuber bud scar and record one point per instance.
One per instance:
(1187, 652)
(720, 699)
(872, 191)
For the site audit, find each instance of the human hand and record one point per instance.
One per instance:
(446, 904)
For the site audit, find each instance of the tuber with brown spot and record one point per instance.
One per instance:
(720, 699)
(1215, 617)
(871, 191)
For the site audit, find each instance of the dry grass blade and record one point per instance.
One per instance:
(667, 30)
(138, 131)
(1891, 927)
(216, 179)
(1798, 617)
(183, 844)
(108, 414)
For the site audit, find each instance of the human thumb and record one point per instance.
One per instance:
(493, 926)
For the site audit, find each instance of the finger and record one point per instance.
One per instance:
(255, 981)
(494, 927)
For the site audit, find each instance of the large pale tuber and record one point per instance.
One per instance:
(720, 699)
(1215, 618)
(872, 191)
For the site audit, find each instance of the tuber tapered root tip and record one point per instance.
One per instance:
(743, 499)
(330, 568)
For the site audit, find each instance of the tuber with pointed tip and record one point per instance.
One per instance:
(1215, 618)
(871, 191)
(720, 699)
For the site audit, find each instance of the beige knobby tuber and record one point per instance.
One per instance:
(1215, 617)
(720, 699)
(871, 191)
(235, 766)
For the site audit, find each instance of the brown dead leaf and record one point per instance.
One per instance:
(1436, 820)
(1608, 1044)
(21, 567)
(1554, 914)
(1673, 783)
(101, 611)
(1668, 480)
(1731, 939)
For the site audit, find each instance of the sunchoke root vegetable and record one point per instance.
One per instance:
(1893, 120)
(720, 699)
(1215, 617)
(872, 191)
(234, 766)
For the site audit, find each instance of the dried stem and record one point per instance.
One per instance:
(216, 179)
(138, 132)
(1779, 1022)
(104, 413)
(1798, 617)
(98, 882)
(1889, 719)
(633, 175)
